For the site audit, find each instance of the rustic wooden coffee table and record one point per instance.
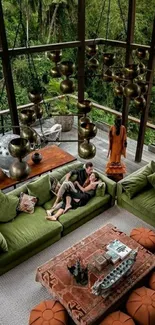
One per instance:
(53, 157)
(84, 307)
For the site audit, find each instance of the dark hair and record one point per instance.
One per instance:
(96, 175)
(118, 123)
(88, 164)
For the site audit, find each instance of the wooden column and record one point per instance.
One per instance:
(8, 73)
(145, 112)
(128, 57)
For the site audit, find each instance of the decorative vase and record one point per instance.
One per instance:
(36, 157)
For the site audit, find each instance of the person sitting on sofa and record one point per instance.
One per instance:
(73, 199)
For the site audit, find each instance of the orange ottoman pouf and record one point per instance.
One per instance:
(48, 312)
(152, 281)
(141, 306)
(118, 318)
(145, 237)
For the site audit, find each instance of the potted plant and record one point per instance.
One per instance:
(64, 118)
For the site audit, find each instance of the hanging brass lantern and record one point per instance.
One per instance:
(131, 90)
(141, 53)
(27, 116)
(143, 87)
(142, 68)
(108, 59)
(55, 56)
(35, 97)
(107, 76)
(19, 147)
(93, 64)
(86, 150)
(38, 110)
(55, 72)
(84, 106)
(28, 133)
(19, 170)
(87, 130)
(67, 86)
(84, 119)
(118, 90)
(91, 50)
(131, 71)
(140, 102)
(67, 68)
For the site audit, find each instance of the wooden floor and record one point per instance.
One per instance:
(101, 143)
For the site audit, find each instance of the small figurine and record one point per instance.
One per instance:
(80, 274)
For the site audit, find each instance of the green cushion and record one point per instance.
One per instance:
(100, 191)
(40, 189)
(62, 171)
(8, 205)
(152, 164)
(135, 184)
(151, 179)
(3, 243)
(73, 178)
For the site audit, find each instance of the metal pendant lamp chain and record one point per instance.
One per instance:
(108, 19)
(122, 17)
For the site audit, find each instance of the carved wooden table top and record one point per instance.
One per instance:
(84, 307)
(52, 157)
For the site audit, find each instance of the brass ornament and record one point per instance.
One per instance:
(142, 68)
(93, 64)
(140, 102)
(118, 77)
(118, 90)
(84, 119)
(87, 130)
(29, 134)
(38, 110)
(84, 106)
(35, 97)
(143, 87)
(55, 72)
(19, 170)
(19, 147)
(91, 50)
(67, 68)
(141, 53)
(55, 56)
(107, 76)
(86, 150)
(131, 90)
(27, 116)
(108, 59)
(67, 86)
(131, 71)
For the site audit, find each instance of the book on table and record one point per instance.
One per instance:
(119, 248)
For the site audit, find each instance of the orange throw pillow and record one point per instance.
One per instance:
(141, 306)
(145, 237)
(118, 318)
(152, 281)
(48, 312)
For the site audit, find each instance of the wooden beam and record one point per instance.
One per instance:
(145, 112)
(8, 73)
(128, 56)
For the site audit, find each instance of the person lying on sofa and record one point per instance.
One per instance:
(74, 199)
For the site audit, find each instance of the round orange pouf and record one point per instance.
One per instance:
(48, 312)
(141, 306)
(145, 237)
(118, 318)
(152, 281)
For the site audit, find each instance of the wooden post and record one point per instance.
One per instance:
(8, 74)
(145, 112)
(128, 57)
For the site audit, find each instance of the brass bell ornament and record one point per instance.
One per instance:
(93, 64)
(38, 110)
(55, 56)
(140, 102)
(67, 68)
(131, 90)
(84, 119)
(28, 133)
(67, 86)
(143, 87)
(141, 53)
(107, 76)
(87, 130)
(27, 116)
(91, 50)
(86, 150)
(84, 106)
(118, 90)
(19, 147)
(108, 59)
(131, 71)
(19, 170)
(55, 72)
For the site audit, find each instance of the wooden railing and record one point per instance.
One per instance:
(98, 106)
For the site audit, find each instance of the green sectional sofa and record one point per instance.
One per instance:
(136, 193)
(27, 234)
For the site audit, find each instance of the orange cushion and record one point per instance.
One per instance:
(48, 312)
(145, 237)
(152, 281)
(117, 318)
(141, 306)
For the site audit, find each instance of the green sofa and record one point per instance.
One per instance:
(136, 193)
(28, 234)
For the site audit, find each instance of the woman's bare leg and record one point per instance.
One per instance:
(56, 216)
(54, 208)
(68, 204)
